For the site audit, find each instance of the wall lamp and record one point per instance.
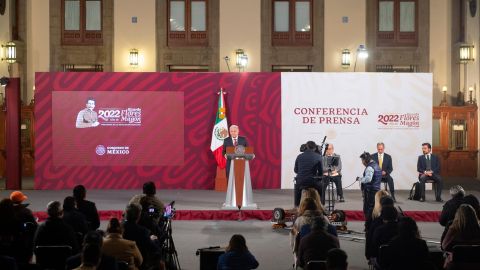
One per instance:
(9, 52)
(134, 57)
(241, 59)
(466, 53)
(362, 53)
(346, 58)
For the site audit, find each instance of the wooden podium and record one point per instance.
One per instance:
(239, 190)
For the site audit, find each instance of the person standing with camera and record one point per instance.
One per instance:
(370, 183)
(307, 165)
(332, 171)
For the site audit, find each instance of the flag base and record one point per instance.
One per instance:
(221, 180)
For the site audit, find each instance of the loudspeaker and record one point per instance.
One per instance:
(209, 257)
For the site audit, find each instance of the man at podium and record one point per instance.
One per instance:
(233, 140)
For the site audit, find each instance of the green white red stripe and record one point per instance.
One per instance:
(219, 132)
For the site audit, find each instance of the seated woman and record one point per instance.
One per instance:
(123, 250)
(237, 256)
(407, 249)
(464, 230)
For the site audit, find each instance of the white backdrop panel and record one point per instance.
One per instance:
(355, 111)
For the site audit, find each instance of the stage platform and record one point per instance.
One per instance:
(206, 204)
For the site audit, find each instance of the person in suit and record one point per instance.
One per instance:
(428, 167)
(116, 246)
(233, 140)
(384, 161)
(308, 165)
(88, 208)
(332, 171)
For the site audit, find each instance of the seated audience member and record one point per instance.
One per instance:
(141, 235)
(473, 202)
(8, 228)
(332, 171)
(93, 238)
(54, 231)
(8, 263)
(312, 193)
(29, 225)
(451, 206)
(428, 168)
(74, 218)
(315, 245)
(90, 257)
(88, 208)
(123, 250)
(307, 212)
(377, 208)
(337, 259)
(464, 230)
(237, 256)
(386, 201)
(385, 232)
(406, 250)
(149, 198)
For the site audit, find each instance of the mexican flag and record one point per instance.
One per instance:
(219, 132)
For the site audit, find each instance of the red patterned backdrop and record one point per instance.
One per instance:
(253, 102)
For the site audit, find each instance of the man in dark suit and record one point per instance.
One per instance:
(233, 140)
(428, 167)
(307, 165)
(88, 208)
(384, 161)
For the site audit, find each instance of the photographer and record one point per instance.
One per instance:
(307, 165)
(370, 183)
(332, 171)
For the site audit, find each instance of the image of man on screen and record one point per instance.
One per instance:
(233, 140)
(87, 117)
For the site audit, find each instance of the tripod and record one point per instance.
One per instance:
(330, 192)
(169, 251)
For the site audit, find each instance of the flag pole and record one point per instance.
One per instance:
(220, 176)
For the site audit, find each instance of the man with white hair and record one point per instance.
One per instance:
(233, 140)
(450, 207)
(54, 231)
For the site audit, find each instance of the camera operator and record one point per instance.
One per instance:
(148, 197)
(370, 183)
(146, 242)
(332, 171)
(307, 165)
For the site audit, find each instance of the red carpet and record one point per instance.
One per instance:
(265, 215)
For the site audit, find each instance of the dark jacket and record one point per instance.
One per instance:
(315, 246)
(406, 253)
(382, 235)
(55, 232)
(141, 235)
(422, 164)
(307, 165)
(89, 209)
(76, 220)
(386, 163)
(449, 210)
(234, 260)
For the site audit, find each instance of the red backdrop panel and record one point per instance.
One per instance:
(253, 103)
